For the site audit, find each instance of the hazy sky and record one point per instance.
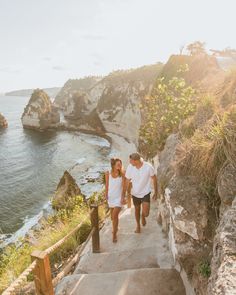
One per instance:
(45, 42)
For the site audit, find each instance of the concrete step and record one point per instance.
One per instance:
(113, 262)
(147, 281)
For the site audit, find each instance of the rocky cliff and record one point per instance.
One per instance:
(197, 175)
(39, 112)
(67, 190)
(112, 105)
(3, 122)
(72, 86)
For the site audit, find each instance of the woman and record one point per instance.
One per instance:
(114, 181)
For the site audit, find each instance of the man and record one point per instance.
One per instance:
(140, 174)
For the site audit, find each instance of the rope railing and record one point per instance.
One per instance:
(20, 279)
(40, 266)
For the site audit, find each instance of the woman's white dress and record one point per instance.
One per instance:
(114, 191)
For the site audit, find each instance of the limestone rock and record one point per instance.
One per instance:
(165, 169)
(72, 86)
(114, 102)
(39, 112)
(184, 215)
(66, 190)
(188, 207)
(226, 186)
(223, 266)
(77, 105)
(3, 122)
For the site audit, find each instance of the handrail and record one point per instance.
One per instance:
(20, 279)
(51, 249)
(41, 266)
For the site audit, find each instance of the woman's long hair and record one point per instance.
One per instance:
(113, 163)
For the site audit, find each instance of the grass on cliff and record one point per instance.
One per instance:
(16, 258)
(206, 152)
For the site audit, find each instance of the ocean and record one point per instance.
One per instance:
(32, 163)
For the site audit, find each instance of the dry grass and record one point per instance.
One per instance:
(204, 154)
(15, 259)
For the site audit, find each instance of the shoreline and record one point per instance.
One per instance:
(119, 147)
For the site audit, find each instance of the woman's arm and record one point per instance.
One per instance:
(106, 184)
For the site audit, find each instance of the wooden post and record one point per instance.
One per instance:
(42, 273)
(95, 225)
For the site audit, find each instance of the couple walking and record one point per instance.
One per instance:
(138, 176)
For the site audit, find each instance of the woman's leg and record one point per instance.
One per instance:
(111, 212)
(115, 222)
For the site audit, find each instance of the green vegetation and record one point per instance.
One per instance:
(204, 269)
(16, 258)
(170, 103)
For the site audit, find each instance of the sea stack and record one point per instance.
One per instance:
(3, 122)
(67, 189)
(40, 113)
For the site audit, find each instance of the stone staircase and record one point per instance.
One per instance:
(137, 264)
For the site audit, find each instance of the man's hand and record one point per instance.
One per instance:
(154, 197)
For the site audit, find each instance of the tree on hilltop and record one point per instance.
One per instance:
(196, 48)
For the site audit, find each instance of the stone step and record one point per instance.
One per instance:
(147, 281)
(113, 262)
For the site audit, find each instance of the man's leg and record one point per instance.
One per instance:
(145, 212)
(137, 217)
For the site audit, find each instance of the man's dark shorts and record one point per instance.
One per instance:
(139, 201)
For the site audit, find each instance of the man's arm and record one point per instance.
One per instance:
(154, 179)
(126, 183)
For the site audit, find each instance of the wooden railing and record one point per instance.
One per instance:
(40, 266)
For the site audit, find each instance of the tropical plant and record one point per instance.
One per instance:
(171, 102)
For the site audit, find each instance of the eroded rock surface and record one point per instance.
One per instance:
(223, 265)
(3, 121)
(112, 105)
(39, 112)
(66, 190)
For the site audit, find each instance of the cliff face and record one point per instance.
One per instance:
(3, 121)
(39, 112)
(197, 194)
(72, 86)
(113, 103)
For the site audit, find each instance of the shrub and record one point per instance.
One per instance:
(170, 103)
(204, 269)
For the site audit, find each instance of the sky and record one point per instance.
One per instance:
(43, 43)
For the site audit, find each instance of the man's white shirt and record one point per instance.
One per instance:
(140, 178)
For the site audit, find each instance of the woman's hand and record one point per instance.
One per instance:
(123, 200)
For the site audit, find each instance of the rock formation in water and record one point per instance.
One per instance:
(3, 122)
(113, 104)
(66, 190)
(40, 112)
